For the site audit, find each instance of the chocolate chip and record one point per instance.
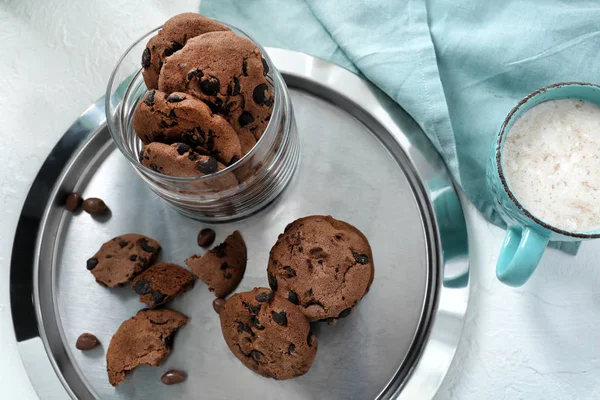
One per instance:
(146, 57)
(154, 167)
(257, 356)
(259, 93)
(220, 250)
(265, 66)
(217, 106)
(280, 318)
(169, 340)
(300, 249)
(193, 73)
(210, 86)
(173, 377)
(132, 257)
(73, 201)
(123, 243)
(316, 250)
(245, 67)
(242, 327)
(145, 245)
(338, 236)
(360, 258)
(218, 304)
(192, 156)
(272, 281)
(149, 100)
(233, 160)
(143, 262)
(87, 341)
(310, 339)
(253, 309)
(109, 256)
(345, 313)
(207, 165)
(262, 297)
(245, 118)
(91, 263)
(224, 266)
(157, 297)
(228, 275)
(174, 98)
(293, 297)
(183, 148)
(234, 90)
(290, 271)
(292, 348)
(142, 287)
(94, 206)
(206, 237)
(172, 114)
(256, 323)
(174, 47)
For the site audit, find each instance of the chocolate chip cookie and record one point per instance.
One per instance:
(268, 334)
(323, 265)
(146, 338)
(180, 117)
(162, 282)
(171, 38)
(178, 159)
(223, 267)
(228, 73)
(122, 258)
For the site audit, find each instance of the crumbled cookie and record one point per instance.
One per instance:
(180, 117)
(268, 334)
(162, 282)
(171, 38)
(228, 73)
(323, 265)
(223, 267)
(146, 338)
(121, 258)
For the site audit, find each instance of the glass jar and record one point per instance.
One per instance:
(232, 193)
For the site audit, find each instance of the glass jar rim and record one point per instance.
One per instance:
(277, 106)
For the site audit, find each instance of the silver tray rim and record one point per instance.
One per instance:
(431, 358)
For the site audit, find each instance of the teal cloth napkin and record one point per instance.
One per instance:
(456, 66)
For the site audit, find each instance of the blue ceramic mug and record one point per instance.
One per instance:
(527, 236)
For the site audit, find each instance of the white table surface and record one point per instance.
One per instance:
(540, 341)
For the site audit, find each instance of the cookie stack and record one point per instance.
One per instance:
(318, 270)
(209, 98)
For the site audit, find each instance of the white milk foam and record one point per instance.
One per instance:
(551, 162)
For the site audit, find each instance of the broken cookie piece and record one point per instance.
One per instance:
(223, 267)
(120, 259)
(146, 338)
(162, 282)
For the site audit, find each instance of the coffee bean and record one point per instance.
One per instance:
(174, 98)
(310, 339)
(345, 313)
(173, 377)
(73, 201)
(207, 165)
(218, 304)
(149, 100)
(360, 258)
(194, 73)
(206, 237)
(293, 297)
(94, 206)
(210, 86)
(290, 271)
(183, 148)
(245, 67)
(280, 317)
(142, 287)
(259, 95)
(245, 118)
(265, 66)
(272, 281)
(87, 341)
(145, 245)
(257, 356)
(146, 57)
(157, 297)
(91, 263)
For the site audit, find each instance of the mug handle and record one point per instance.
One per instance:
(520, 255)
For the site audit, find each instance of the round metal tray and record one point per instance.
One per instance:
(364, 160)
